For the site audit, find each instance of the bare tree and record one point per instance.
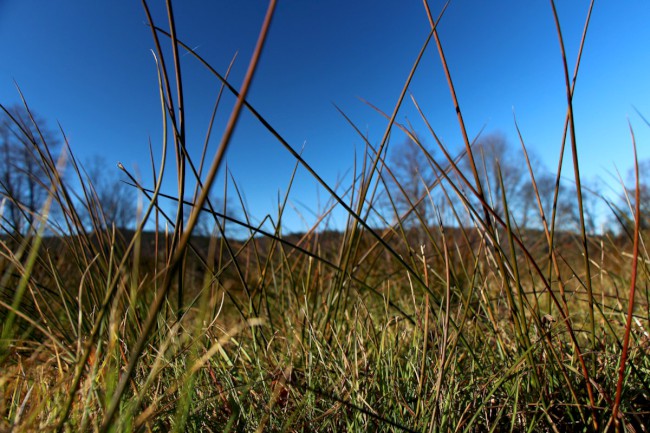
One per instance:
(413, 176)
(503, 171)
(494, 158)
(111, 201)
(566, 211)
(499, 168)
(26, 147)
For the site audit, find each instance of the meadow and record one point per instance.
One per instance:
(419, 323)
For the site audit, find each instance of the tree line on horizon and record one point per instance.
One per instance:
(414, 189)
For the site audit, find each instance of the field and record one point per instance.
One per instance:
(446, 315)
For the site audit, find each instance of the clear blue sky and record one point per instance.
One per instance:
(88, 65)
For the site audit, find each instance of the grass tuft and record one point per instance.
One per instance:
(439, 311)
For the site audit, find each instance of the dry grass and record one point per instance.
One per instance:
(391, 327)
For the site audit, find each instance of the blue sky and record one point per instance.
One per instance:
(88, 65)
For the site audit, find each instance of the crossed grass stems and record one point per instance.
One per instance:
(427, 345)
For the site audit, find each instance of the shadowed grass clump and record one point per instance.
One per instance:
(398, 322)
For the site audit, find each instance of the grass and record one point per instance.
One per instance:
(469, 326)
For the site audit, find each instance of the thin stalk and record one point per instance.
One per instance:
(576, 170)
(180, 145)
(630, 306)
(445, 328)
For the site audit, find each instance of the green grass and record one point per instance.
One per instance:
(468, 326)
